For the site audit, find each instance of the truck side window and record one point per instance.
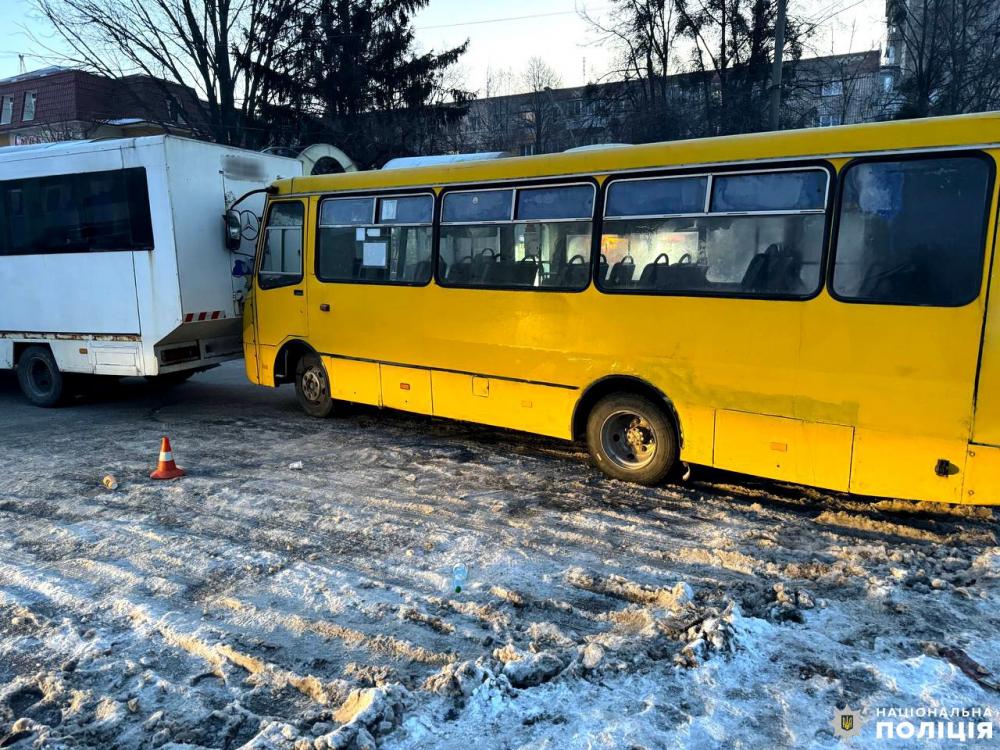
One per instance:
(281, 255)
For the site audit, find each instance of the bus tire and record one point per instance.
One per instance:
(39, 377)
(631, 438)
(312, 386)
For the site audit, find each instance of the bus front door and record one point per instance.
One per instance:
(279, 288)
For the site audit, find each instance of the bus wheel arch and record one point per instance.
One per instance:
(287, 360)
(38, 374)
(621, 405)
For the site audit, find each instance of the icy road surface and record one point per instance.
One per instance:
(253, 605)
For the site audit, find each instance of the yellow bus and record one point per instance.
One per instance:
(810, 306)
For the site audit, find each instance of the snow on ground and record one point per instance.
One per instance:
(253, 605)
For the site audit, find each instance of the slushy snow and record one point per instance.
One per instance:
(257, 604)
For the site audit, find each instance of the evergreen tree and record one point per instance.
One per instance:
(347, 72)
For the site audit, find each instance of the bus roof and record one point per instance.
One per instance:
(937, 132)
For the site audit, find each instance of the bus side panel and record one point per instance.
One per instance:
(406, 388)
(904, 377)
(697, 434)
(982, 475)
(351, 380)
(902, 465)
(541, 409)
(266, 356)
(788, 449)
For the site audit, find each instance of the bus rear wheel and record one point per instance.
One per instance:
(312, 386)
(631, 438)
(39, 377)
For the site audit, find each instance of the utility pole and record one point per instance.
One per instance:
(779, 46)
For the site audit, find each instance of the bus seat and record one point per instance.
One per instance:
(622, 272)
(903, 281)
(776, 270)
(496, 272)
(653, 274)
(460, 272)
(481, 271)
(524, 271)
(602, 268)
(683, 277)
(574, 275)
(419, 271)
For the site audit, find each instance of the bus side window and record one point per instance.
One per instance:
(384, 240)
(281, 259)
(522, 238)
(912, 231)
(747, 234)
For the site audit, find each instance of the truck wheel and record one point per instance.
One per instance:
(631, 438)
(39, 377)
(312, 386)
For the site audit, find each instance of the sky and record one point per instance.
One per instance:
(505, 34)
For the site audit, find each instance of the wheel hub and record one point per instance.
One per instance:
(312, 385)
(628, 440)
(41, 376)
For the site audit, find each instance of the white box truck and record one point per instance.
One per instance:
(114, 259)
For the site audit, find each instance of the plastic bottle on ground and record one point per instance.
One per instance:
(459, 575)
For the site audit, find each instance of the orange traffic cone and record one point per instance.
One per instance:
(166, 469)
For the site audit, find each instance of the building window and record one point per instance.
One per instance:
(887, 83)
(830, 120)
(29, 106)
(7, 110)
(832, 88)
(174, 111)
(890, 54)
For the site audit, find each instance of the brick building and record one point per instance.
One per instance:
(58, 104)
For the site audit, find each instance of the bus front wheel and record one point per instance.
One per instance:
(312, 386)
(39, 377)
(631, 438)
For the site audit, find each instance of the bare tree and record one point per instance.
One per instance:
(216, 46)
(733, 45)
(949, 55)
(492, 120)
(541, 116)
(643, 33)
